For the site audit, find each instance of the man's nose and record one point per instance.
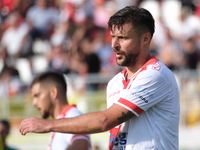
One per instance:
(34, 101)
(115, 44)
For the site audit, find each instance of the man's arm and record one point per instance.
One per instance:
(85, 124)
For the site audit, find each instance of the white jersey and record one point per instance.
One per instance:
(60, 141)
(152, 95)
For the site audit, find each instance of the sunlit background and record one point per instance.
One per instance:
(71, 37)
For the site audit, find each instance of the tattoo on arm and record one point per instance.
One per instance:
(125, 117)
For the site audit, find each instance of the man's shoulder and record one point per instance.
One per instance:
(73, 112)
(157, 68)
(116, 78)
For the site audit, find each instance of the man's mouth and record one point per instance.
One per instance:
(38, 108)
(118, 55)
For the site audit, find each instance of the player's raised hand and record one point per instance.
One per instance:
(35, 125)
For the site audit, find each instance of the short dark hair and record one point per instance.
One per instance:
(140, 18)
(51, 77)
(6, 124)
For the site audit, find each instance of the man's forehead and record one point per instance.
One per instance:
(124, 29)
(36, 85)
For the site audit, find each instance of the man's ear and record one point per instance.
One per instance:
(54, 92)
(146, 38)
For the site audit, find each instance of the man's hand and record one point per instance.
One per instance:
(35, 125)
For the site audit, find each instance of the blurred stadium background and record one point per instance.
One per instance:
(87, 88)
(20, 106)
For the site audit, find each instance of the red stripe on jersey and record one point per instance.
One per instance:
(130, 105)
(152, 60)
(125, 83)
(114, 132)
(79, 135)
(63, 112)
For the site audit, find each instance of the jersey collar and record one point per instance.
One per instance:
(125, 82)
(63, 112)
(153, 59)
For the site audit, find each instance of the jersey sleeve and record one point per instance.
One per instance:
(148, 89)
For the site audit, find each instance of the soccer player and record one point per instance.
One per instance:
(49, 97)
(143, 100)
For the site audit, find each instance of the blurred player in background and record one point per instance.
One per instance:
(4, 132)
(49, 97)
(143, 100)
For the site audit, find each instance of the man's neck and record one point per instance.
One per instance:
(131, 70)
(58, 108)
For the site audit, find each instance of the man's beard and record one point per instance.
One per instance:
(45, 115)
(130, 58)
